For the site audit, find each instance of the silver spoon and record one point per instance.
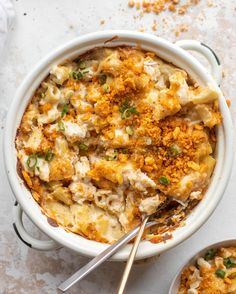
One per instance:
(132, 255)
(134, 249)
(99, 259)
(107, 253)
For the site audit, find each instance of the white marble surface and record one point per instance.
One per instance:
(46, 25)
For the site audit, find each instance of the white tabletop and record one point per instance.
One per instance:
(39, 28)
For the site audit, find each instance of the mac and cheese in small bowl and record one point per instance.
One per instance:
(105, 129)
(213, 270)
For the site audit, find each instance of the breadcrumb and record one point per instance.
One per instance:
(131, 3)
(157, 6)
(142, 29)
(228, 101)
(154, 25)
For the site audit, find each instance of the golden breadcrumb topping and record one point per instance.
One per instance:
(112, 135)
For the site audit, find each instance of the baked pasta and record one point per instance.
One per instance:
(111, 135)
(215, 273)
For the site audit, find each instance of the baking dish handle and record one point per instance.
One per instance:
(24, 236)
(208, 53)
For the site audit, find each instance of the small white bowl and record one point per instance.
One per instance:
(176, 282)
(169, 52)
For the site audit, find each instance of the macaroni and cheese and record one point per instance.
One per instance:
(213, 273)
(111, 135)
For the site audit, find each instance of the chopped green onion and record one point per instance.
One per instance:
(106, 88)
(164, 181)
(61, 126)
(64, 110)
(112, 157)
(77, 75)
(32, 161)
(83, 146)
(133, 110)
(228, 262)
(126, 114)
(129, 130)
(220, 273)
(174, 151)
(124, 106)
(39, 155)
(102, 79)
(49, 155)
(210, 254)
(127, 110)
(82, 65)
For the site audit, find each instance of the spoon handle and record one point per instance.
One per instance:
(99, 259)
(131, 257)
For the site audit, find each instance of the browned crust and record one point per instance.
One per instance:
(52, 222)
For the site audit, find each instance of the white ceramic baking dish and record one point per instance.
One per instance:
(192, 261)
(174, 53)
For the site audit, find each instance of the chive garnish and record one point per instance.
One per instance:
(49, 155)
(228, 262)
(61, 126)
(210, 254)
(83, 146)
(174, 151)
(164, 181)
(64, 110)
(106, 88)
(77, 75)
(112, 157)
(32, 161)
(127, 110)
(220, 273)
